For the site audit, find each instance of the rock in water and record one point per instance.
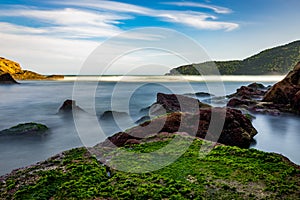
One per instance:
(69, 106)
(7, 79)
(179, 103)
(286, 92)
(237, 130)
(27, 128)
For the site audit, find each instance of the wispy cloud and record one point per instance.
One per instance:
(197, 20)
(216, 9)
(68, 22)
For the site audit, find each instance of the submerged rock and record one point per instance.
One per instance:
(27, 128)
(7, 79)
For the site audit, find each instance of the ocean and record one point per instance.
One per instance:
(39, 101)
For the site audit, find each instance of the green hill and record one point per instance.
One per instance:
(278, 60)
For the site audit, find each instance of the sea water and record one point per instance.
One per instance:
(39, 101)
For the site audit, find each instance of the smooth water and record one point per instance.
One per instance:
(38, 101)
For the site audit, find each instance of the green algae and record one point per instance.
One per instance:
(224, 173)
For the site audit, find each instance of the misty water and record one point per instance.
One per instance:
(38, 101)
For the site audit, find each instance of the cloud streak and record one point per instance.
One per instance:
(202, 20)
(216, 9)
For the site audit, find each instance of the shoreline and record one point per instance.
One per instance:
(151, 78)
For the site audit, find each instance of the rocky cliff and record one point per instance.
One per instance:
(15, 70)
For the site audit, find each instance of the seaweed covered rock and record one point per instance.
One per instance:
(7, 79)
(224, 173)
(26, 128)
(286, 91)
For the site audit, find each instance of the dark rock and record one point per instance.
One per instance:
(237, 130)
(107, 115)
(235, 102)
(248, 92)
(27, 128)
(69, 106)
(7, 79)
(179, 103)
(132, 141)
(118, 139)
(286, 92)
(257, 86)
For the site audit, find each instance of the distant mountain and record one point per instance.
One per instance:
(278, 60)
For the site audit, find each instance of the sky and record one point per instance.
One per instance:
(57, 37)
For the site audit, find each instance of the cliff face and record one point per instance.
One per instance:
(15, 70)
(8, 66)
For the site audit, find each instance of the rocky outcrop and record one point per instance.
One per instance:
(27, 128)
(286, 92)
(15, 70)
(252, 91)
(166, 103)
(7, 79)
(237, 130)
(69, 106)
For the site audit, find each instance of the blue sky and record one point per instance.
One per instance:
(53, 36)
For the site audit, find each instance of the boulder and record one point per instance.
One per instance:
(26, 128)
(237, 130)
(7, 79)
(69, 106)
(257, 86)
(248, 92)
(286, 92)
(179, 103)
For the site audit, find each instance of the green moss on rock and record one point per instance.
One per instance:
(25, 128)
(225, 173)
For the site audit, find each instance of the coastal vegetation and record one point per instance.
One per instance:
(278, 60)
